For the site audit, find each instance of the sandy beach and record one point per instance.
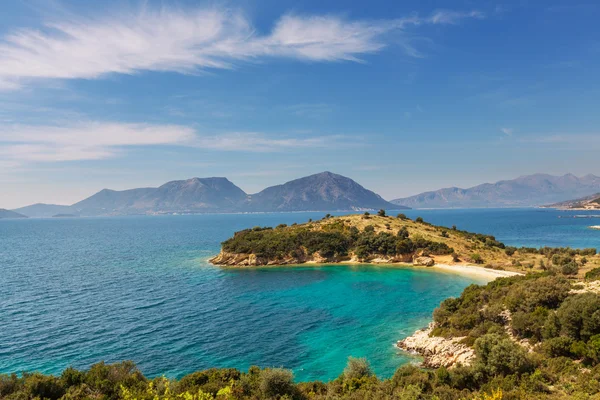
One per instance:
(480, 272)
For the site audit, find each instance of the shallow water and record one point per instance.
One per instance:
(77, 291)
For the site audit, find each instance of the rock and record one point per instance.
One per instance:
(437, 351)
(424, 261)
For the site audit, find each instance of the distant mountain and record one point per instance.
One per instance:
(525, 191)
(192, 195)
(107, 202)
(44, 210)
(320, 192)
(586, 203)
(7, 214)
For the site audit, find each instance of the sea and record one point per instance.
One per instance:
(76, 291)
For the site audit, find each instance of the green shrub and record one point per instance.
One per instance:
(357, 368)
(476, 258)
(579, 316)
(277, 382)
(497, 355)
(593, 275)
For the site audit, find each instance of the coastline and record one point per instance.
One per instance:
(487, 274)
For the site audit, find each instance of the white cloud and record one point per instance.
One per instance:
(83, 141)
(101, 140)
(189, 41)
(507, 131)
(453, 17)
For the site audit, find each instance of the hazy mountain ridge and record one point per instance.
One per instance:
(7, 214)
(525, 191)
(320, 192)
(41, 210)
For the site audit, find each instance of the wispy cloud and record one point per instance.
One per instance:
(453, 17)
(507, 131)
(84, 140)
(258, 142)
(102, 140)
(189, 41)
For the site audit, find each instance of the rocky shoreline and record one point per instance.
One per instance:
(247, 260)
(437, 351)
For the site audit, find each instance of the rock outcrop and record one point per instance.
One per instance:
(437, 351)
(424, 261)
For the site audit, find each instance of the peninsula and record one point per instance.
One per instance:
(383, 239)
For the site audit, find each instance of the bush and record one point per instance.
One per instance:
(579, 316)
(569, 269)
(419, 220)
(557, 347)
(276, 382)
(381, 213)
(593, 275)
(476, 258)
(402, 216)
(497, 355)
(357, 368)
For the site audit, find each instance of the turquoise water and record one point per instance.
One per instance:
(77, 291)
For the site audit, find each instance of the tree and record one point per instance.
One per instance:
(381, 213)
(419, 220)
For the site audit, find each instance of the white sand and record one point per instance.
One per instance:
(480, 272)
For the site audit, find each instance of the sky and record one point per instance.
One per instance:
(402, 96)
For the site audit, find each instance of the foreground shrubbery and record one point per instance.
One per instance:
(559, 360)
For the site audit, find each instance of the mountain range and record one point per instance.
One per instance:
(320, 192)
(525, 191)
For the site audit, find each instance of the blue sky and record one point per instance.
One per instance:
(401, 96)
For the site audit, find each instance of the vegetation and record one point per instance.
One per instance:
(336, 239)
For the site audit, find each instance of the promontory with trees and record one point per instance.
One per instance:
(381, 238)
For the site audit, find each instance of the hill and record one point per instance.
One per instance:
(385, 239)
(525, 191)
(320, 192)
(586, 203)
(41, 210)
(7, 214)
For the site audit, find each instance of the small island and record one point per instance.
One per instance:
(383, 239)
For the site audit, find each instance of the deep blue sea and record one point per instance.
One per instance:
(78, 291)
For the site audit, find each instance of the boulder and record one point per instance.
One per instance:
(424, 261)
